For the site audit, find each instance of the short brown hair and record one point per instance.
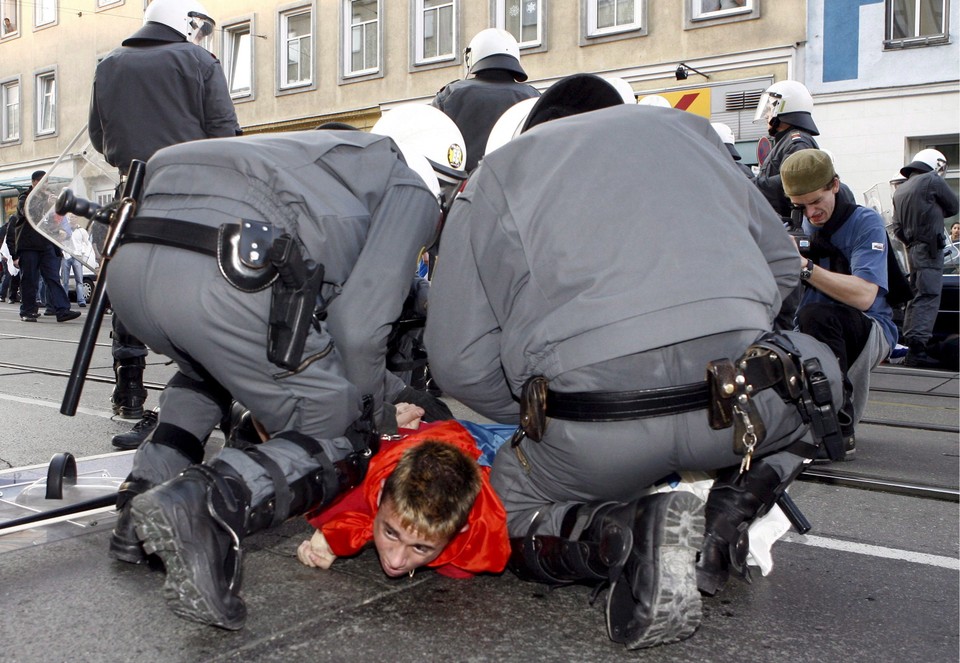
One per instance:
(433, 488)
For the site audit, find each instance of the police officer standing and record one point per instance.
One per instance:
(475, 104)
(787, 108)
(920, 206)
(157, 89)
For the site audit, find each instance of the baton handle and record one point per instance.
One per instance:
(794, 514)
(59, 512)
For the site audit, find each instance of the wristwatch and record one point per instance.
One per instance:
(806, 271)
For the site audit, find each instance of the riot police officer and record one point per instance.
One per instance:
(575, 318)
(476, 103)
(159, 88)
(298, 251)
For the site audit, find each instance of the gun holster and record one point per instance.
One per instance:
(293, 303)
(816, 406)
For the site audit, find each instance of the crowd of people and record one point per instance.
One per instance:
(556, 308)
(34, 267)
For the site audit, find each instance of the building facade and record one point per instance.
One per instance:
(885, 75)
(294, 65)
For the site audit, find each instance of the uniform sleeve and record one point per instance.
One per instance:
(946, 198)
(777, 246)
(220, 118)
(462, 335)
(769, 181)
(360, 318)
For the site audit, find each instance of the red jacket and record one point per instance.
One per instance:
(484, 547)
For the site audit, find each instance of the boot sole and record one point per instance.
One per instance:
(128, 413)
(676, 604)
(127, 551)
(180, 589)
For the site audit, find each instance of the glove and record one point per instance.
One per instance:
(434, 408)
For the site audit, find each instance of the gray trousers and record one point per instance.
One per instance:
(177, 302)
(579, 462)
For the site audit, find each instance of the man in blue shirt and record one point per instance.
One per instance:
(844, 302)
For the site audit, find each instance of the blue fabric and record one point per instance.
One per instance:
(489, 437)
(863, 241)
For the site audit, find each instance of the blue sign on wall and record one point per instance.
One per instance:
(841, 38)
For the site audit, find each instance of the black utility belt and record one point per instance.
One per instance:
(627, 405)
(172, 232)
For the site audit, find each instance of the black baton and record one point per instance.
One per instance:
(98, 303)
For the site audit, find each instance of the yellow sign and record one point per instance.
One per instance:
(696, 101)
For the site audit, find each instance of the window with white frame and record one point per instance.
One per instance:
(296, 60)
(361, 40)
(916, 21)
(9, 18)
(10, 100)
(238, 59)
(108, 3)
(46, 103)
(44, 12)
(523, 19)
(718, 8)
(612, 16)
(436, 30)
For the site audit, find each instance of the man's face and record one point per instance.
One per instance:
(955, 232)
(401, 550)
(818, 205)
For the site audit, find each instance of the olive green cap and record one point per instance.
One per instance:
(806, 171)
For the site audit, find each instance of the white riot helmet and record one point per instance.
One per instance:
(187, 17)
(655, 100)
(574, 94)
(926, 161)
(728, 139)
(494, 49)
(787, 101)
(624, 88)
(431, 143)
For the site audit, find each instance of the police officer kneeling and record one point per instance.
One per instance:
(579, 316)
(293, 254)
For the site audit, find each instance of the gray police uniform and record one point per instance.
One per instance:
(919, 206)
(768, 180)
(475, 105)
(358, 210)
(628, 287)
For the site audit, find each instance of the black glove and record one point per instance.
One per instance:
(434, 408)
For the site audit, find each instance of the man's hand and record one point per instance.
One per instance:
(316, 553)
(408, 415)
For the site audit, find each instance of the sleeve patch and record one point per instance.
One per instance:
(877, 246)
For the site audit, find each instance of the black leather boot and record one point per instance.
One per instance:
(129, 393)
(590, 549)
(194, 523)
(125, 546)
(656, 600)
(735, 501)
(645, 549)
